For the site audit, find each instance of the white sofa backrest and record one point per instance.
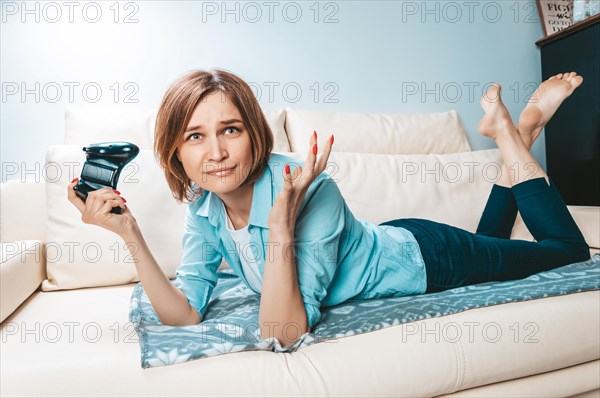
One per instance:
(101, 258)
(440, 132)
(85, 125)
(374, 133)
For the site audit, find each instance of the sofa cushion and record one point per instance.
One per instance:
(81, 255)
(80, 341)
(21, 272)
(276, 120)
(85, 125)
(451, 188)
(373, 133)
(132, 123)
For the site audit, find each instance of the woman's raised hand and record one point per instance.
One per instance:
(285, 209)
(96, 209)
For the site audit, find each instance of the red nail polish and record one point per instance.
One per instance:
(315, 149)
(117, 192)
(74, 179)
(331, 139)
(287, 169)
(315, 134)
(125, 205)
(124, 201)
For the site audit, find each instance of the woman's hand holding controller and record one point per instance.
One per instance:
(169, 302)
(96, 209)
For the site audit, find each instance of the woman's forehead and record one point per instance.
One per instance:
(211, 108)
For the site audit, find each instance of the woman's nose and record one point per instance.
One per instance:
(217, 150)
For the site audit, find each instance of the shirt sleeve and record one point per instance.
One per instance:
(318, 230)
(197, 276)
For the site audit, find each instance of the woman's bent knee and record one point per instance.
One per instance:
(569, 252)
(581, 253)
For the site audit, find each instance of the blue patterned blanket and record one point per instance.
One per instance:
(231, 320)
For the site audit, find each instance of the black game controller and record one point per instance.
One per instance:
(103, 165)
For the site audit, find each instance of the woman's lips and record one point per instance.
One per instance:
(222, 173)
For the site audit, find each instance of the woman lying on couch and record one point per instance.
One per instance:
(295, 241)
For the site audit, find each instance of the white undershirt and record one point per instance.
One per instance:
(241, 237)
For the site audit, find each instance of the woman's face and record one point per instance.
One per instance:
(216, 138)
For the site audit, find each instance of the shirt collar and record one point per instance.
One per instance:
(262, 202)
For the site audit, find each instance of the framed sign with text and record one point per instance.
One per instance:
(555, 15)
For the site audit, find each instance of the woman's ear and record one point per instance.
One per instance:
(177, 154)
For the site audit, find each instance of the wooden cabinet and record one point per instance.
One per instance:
(573, 133)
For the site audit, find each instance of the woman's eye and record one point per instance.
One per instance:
(198, 135)
(232, 128)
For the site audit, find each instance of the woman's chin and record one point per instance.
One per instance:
(221, 187)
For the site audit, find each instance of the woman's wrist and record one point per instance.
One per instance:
(282, 230)
(283, 240)
(132, 233)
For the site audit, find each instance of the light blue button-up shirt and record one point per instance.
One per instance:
(338, 257)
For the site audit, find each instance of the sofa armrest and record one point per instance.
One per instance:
(586, 217)
(588, 221)
(23, 211)
(22, 270)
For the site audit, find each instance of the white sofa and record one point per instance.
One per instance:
(65, 328)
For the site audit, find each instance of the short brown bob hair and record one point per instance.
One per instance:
(175, 112)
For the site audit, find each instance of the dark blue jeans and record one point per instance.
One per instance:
(455, 257)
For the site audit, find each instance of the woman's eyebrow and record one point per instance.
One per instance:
(230, 121)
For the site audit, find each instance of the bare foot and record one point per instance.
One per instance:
(543, 104)
(496, 116)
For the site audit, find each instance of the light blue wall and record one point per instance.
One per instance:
(366, 57)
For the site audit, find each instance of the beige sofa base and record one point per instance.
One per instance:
(105, 360)
(588, 394)
(581, 380)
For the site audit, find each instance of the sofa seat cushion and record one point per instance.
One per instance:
(231, 320)
(102, 352)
